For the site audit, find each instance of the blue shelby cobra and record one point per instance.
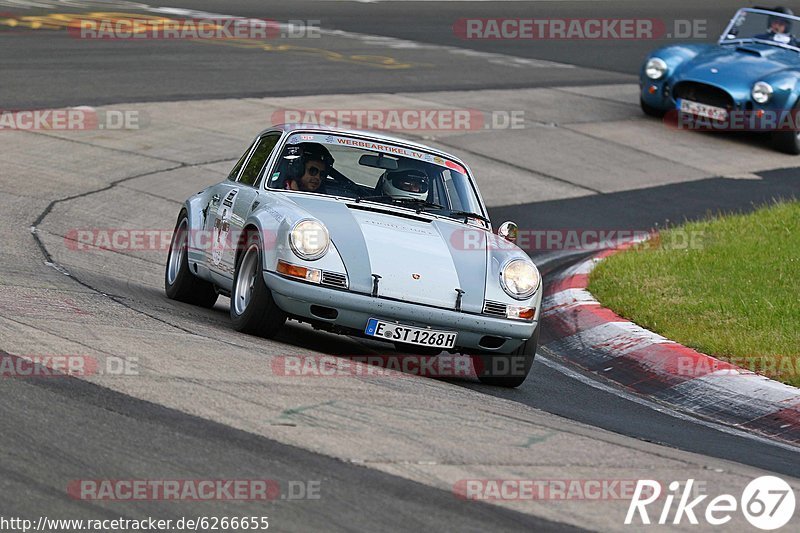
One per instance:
(747, 81)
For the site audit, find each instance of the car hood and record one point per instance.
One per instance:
(418, 260)
(737, 67)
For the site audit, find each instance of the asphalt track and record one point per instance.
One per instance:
(53, 69)
(70, 428)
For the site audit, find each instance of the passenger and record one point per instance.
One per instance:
(779, 29)
(315, 161)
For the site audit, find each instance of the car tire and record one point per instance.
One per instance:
(787, 142)
(179, 283)
(651, 111)
(492, 368)
(253, 310)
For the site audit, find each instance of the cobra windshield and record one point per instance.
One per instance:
(761, 26)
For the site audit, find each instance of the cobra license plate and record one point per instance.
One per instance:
(703, 110)
(410, 335)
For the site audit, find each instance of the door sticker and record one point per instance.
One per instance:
(222, 226)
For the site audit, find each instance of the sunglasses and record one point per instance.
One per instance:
(314, 171)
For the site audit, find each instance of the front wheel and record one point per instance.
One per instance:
(253, 310)
(787, 142)
(507, 370)
(179, 283)
(649, 110)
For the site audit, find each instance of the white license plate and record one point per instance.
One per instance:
(703, 110)
(410, 334)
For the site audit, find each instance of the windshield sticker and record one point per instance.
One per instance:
(376, 146)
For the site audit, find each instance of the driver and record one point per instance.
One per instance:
(406, 184)
(314, 165)
(779, 29)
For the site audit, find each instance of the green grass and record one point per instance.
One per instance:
(728, 286)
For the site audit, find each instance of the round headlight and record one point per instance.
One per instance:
(309, 240)
(762, 92)
(655, 68)
(519, 279)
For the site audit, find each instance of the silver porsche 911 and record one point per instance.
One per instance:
(360, 234)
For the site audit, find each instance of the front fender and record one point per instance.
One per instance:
(273, 221)
(500, 253)
(785, 87)
(675, 56)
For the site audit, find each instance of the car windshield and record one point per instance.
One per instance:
(775, 29)
(371, 171)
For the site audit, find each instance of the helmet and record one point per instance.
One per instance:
(776, 18)
(299, 155)
(408, 183)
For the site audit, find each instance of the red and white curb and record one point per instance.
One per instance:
(598, 340)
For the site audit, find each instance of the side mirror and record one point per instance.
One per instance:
(508, 231)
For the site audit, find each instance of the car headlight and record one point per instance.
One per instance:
(655, 68)
(519, 279)
(762, 92)
(309, 239)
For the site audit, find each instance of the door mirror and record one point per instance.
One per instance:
(508, 231)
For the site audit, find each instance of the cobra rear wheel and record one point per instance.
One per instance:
(253, 310)
(507, 370)
(179, 283)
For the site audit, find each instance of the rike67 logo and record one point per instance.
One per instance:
(767, 502)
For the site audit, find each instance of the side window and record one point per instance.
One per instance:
(452, 192)
(235, 172)
(260, 156)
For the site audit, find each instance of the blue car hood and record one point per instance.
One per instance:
(738, 67)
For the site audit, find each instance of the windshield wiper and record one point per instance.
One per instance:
(419, 204)
(372, 198)
(468, 214)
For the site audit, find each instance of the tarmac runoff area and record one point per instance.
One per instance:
(575, 142)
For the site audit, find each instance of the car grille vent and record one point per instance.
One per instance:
(334, 279)
(703, 94)
(494, 309)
